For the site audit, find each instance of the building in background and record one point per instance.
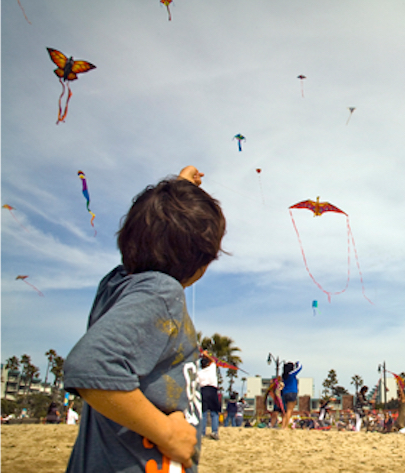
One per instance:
(14, 384)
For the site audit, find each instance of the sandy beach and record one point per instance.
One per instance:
(46, 449)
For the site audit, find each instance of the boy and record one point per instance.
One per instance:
(136, 365)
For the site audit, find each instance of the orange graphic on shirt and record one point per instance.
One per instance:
(151, 465)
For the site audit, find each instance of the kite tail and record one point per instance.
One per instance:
(60, 101)
(22, 9)
(348, 119)
(328, 293)
(302, 88)
(350, 234)
(240, 146)
(168, 12)
(38, 291)
(93, 216)
(62, 119)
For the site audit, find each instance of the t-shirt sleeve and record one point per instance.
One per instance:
(126, 343)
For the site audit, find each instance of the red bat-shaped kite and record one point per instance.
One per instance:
(67, 71)
(318, 208)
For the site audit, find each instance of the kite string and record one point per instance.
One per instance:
(15, 218)
(328, 293)
(22, 9)
(350, 234)
(261, 189)
(38, 291)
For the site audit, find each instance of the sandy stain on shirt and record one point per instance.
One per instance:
(168, 327)
(173, 391)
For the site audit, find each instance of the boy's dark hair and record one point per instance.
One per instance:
(174, 227)
(205, 361)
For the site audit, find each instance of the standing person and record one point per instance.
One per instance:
(53, 415)
(231, 411)
(240, 409)
(135, 367)
(361, 403)
(72, 416)
(290, 390)
(208, 380)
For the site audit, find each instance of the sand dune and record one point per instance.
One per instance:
(46, 448)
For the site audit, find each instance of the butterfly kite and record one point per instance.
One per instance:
(351, 110)
(67, 71)
(23, 278)
(319, 208)
(8, 207)
(167, 3)
(240, 138)
(87, 197)
(302, 78)
(218, 362)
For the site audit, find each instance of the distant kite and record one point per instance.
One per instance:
(87, 197)
(258, 170)
(23, 278)
(240, 138)
(315, 307)
(22, 9)
(67, 71)
(167, 3)
(8, 207)
(351, 109)
(301, 78)
(318, 208)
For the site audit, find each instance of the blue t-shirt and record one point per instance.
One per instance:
(139, 336)
(291, 383)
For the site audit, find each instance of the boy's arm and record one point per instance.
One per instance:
(172, 434)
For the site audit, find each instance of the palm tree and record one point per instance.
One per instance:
(57, 371)
(223, 348)
(50, 354)
(12, 363)
(357, 381)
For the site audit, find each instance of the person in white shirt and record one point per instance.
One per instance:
(207, 377)
(72, 416)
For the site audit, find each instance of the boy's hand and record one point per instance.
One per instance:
(192, 174)
(181, 441)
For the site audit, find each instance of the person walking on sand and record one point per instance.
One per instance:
(208, 379)
(290, 390)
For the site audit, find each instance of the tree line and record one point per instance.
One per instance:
(36, 403)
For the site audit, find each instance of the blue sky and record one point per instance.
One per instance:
(168, 94)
